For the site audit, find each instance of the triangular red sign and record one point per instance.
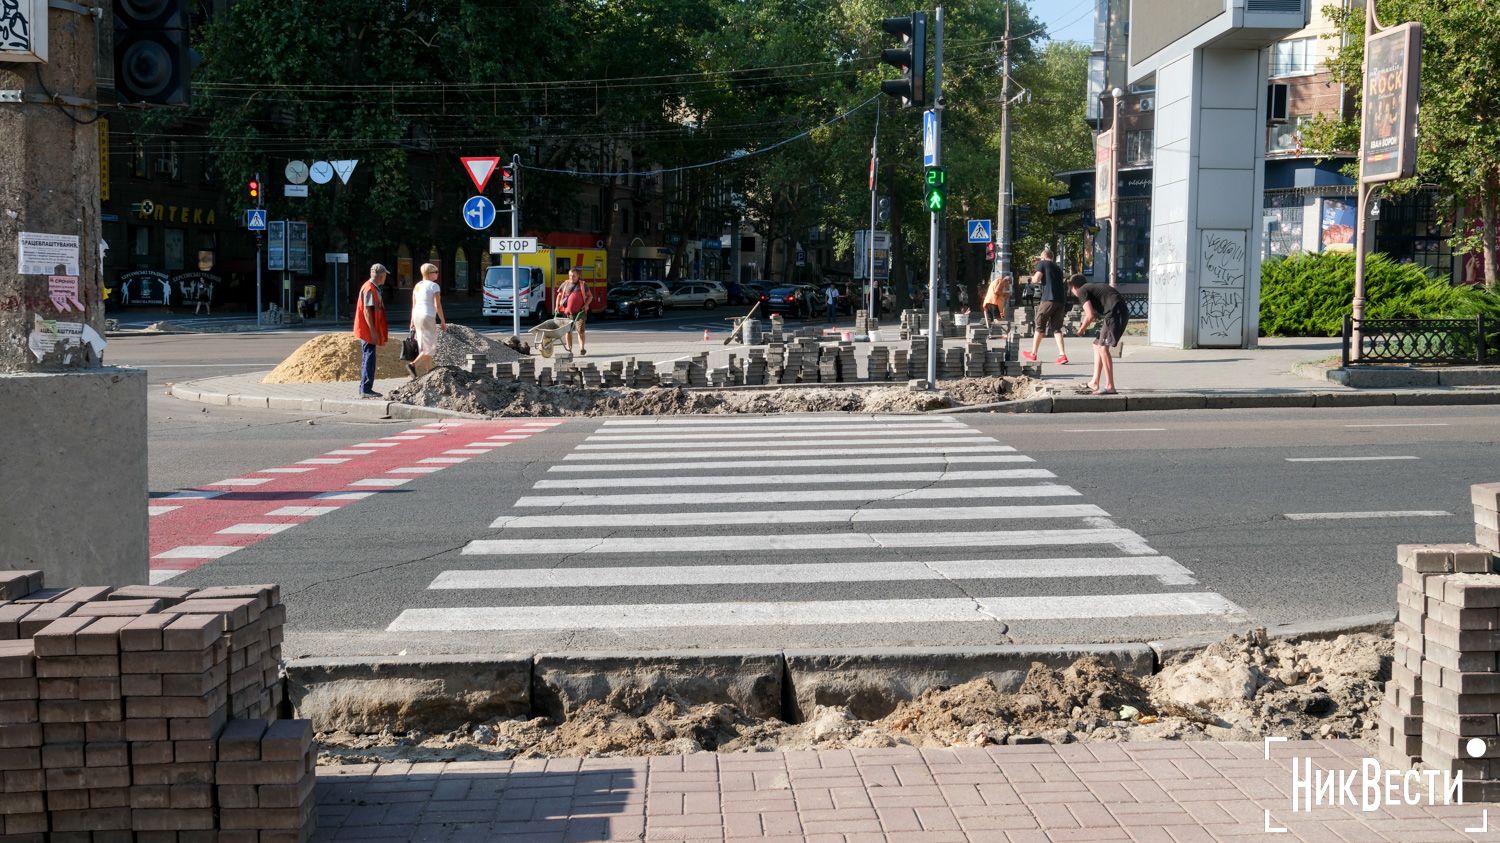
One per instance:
(480, 170)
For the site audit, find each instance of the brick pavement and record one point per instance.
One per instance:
(1174, 792)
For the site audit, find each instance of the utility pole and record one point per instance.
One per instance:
(260, 242)
(870, 240)
(1114, 189)
(1002, 214)
(934, 339)
(515, 259)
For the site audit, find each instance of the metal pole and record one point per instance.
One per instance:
(1002, 213)
(260, 238)
(1114, 190)
(933, 337)
(1366, 191)
(515, 259)
(870, 240)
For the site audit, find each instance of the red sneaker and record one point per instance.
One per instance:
(1029, 356)
(1063, 359)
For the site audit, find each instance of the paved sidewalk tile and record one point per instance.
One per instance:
(1170, 792)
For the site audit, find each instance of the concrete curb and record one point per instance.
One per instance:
(357, 407)
(1173, 648)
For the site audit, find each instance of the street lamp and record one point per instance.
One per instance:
(1114, 190)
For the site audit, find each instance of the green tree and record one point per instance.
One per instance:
(1459, 139)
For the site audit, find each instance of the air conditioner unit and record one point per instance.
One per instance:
(1276, 104)
(1146, 103)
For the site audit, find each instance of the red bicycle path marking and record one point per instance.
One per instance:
(197, 522)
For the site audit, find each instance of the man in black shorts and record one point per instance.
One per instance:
(1103, 304)
(1052, 308)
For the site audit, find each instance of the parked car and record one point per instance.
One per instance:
(697, 294)
(800, 300)
(659, 286)
(635, 300)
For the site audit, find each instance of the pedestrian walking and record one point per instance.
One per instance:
(426, 313)
(575, 300)
(202, 297)
(831, 296)
(371, 328)
(994, 299)
(1052, 309)
(1103, 304)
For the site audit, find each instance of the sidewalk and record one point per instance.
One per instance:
(1168, 791)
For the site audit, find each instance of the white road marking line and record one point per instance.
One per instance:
(417, 469)
(797, 479)
(302, 511)
(192, 495)
(1124, 539)
(510, 436)
(408, 437)
(807, 452)
(775, 447)
(1040, 490)
(1402, 424)
(804, 421)
(800, 516)
(324, 461)
(839, 434)
(342, 496)
(444, 460)
(152, 511)
(487, 445)
(351, 452)
(382, 481)
(160, 576)
(468, 451)
(1347, 459)
(1395, 513)
(378, 445)
(1164, 568)
(286, 470)
(242, 481)
(812, 612)
(254, 529)
(663, 432)
(1114, 430)
(197, 551)
(756, 464)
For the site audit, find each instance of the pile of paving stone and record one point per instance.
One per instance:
(147, 713)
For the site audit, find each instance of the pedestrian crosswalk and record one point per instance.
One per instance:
(789, 531)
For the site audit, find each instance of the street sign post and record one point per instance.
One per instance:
(979, 231)
(479, 213)
(480, 169)
(295, 190)
(255, 219)
(513, 245)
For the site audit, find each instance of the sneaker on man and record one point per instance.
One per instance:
(1062, 360)
(1029, 356)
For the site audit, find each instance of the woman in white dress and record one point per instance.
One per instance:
(426, 313)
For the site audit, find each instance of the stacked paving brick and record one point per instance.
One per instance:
(1444, 690)
(113, 704)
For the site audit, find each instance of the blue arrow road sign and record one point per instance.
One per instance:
(479, 213)
(979, 231)
(255, 219)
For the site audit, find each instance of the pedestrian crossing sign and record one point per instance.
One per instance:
(255, 219)
(979, 231)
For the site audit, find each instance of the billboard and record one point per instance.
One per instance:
(1393, 70)
(1104, 174)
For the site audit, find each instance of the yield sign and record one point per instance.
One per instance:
(480, 170)
(345, 168)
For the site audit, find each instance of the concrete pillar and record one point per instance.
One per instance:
(73, 467)
(1207, 199)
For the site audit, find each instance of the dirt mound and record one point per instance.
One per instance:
(334, 357)
(459, 341)
(1299, 690)
(455, 389)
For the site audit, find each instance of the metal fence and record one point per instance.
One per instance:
(1139, 305)
(1433, 341)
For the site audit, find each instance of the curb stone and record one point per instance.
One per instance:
(1172, 648)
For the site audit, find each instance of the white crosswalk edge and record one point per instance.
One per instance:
(1040, 490)
(1127, 540)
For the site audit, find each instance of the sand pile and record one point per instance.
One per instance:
(455, 389)
(335, 357)
(1241, 689)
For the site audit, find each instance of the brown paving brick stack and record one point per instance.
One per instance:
(113, 703)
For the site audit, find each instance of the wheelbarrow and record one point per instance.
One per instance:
(548, 334)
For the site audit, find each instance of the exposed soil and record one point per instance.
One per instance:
(1241, 689)
(335, 357)
(455, 389)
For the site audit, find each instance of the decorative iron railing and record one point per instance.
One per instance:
(1432, 341)
(1139, 305)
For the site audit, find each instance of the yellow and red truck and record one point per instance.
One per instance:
(538, 277)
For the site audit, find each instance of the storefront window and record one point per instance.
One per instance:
(1410, 230)
(174, 241)
(1134, 264)
(1286, 236)
(460, 269)
(404, 267)
(140, 241)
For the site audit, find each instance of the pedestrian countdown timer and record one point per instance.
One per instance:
(936, 189)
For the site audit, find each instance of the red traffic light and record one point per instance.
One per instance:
(253, 188)
(507, 180)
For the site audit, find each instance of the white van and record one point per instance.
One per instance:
(497, 294)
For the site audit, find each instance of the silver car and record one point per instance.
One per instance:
(697, 294)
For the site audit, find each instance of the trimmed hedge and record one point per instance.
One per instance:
(1309, 294)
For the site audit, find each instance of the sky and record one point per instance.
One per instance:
(1066, 20)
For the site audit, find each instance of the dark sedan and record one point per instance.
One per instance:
(800, 300)
(635, 300)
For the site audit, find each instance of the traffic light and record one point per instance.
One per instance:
(507, 186)
(910, 57)
(153, 64)
(883, 210)
(1022, 218)
(252, 191)
(936, 191)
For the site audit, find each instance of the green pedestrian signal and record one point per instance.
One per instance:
(936, 189)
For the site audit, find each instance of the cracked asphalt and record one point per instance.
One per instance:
(1211, 489)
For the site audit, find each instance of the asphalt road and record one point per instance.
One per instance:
(1213, 492)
